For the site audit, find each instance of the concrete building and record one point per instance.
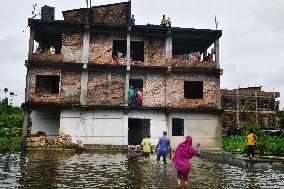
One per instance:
(81, 85)
(244, 106)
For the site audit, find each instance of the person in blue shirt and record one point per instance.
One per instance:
(163, 148)
(132, 20)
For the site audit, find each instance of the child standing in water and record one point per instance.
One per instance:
(183, 154)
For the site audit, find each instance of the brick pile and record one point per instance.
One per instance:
(72, 44)
(70, 87)
(41, 140)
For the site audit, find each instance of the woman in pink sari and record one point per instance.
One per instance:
(183, 154)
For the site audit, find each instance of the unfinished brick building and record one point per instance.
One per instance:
(250, 105)
(82, 87)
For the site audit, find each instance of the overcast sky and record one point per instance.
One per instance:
(251, 48)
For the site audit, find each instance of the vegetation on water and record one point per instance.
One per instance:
(265, 145)
(11, 121)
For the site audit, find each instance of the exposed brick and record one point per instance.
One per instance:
(72, 44)
(76, 16)
(112, 14)
(191, 64)
(45, 57)
(106, 89)
(70, 87)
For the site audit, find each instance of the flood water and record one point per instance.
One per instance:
(57, 169)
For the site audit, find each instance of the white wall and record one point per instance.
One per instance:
(108, 126)
(204, 128)
(46, 120)
(93, 126)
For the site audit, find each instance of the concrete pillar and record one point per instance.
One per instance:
(169, 47)
(31, 42)
(237, 101)
(216, 47)
(256, 107)
(125, 129)
(85, 75)
(25, 129)
(128, 49)
(108, 86)
(127, 68)
(218, 94)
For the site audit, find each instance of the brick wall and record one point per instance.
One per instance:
(106, 88)
(175, 92)
(116, 14)
(76, 16)
(113, 14)
(191, 64)
(72, 44)
(101, 47)
(42, 98)
(70, 87)
(157, 92)
(154, 91)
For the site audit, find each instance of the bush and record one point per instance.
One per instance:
(265, 145)
(10, 143)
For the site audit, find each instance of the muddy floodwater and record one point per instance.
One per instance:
(57, 169)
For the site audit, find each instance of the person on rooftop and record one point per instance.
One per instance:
(132, 21)
(164, 21)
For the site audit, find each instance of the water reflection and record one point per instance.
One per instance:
(56, 169)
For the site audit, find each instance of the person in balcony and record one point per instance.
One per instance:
(51, 50)
(191, 56)
(139, 97)
(198, 55)
(164, 21)
(131, 93)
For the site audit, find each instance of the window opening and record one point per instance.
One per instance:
(47, 84)
(193, 89)
(177, 127)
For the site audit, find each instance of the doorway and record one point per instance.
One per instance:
(137, 130)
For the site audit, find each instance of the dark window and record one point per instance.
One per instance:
(119, 48)
(136, 83)
(229, 117)
(242, 102)
(177, 127)
(243, 117)
(193, 89)
(137, 50)
(47, 84)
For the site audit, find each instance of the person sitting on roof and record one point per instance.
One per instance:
(132, 21)
(169, 22)
(164, 21)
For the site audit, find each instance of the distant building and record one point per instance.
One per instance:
(250, 105)
(79, 77)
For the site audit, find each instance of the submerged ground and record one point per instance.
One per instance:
(57, 169)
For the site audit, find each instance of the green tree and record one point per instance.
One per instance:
(11, 119)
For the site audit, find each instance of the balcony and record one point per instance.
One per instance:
(195, 64)
(46, 57)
